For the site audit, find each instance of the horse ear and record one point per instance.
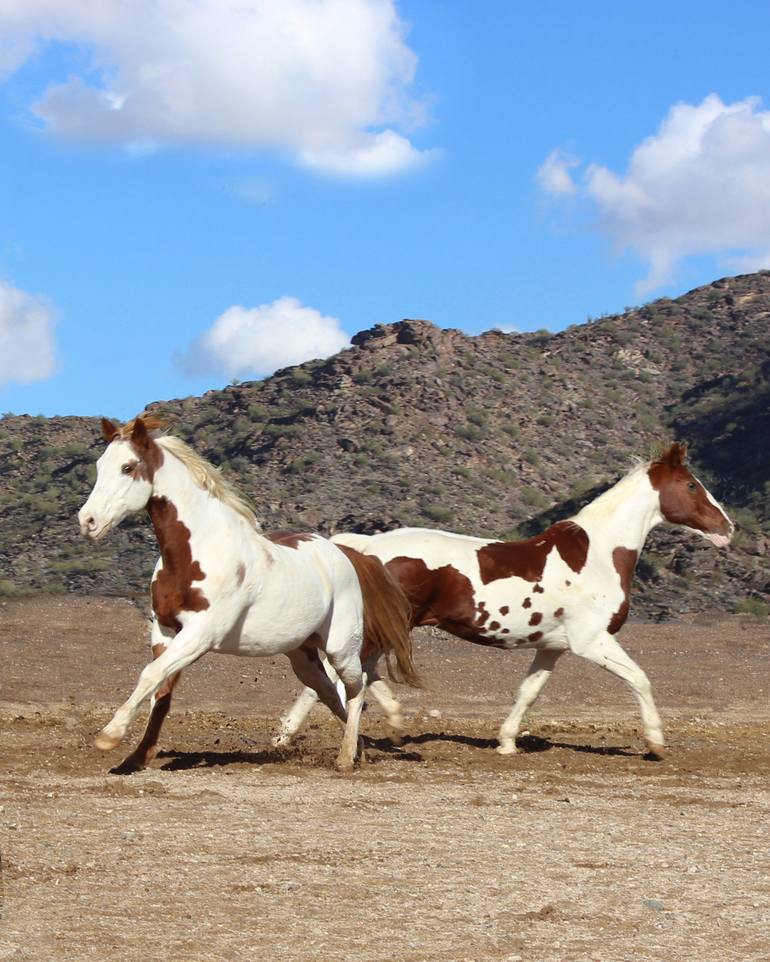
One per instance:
(109, 431)
(139, 435)
(675, 456)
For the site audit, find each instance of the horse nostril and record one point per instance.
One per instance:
(91, 523)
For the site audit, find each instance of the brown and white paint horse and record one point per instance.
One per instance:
(221, 586)
(564, 590)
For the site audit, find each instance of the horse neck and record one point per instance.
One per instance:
(199, 512)
(623, 515)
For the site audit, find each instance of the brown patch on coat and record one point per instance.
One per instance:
(683, 499)
(527, 603)
(442, 597)
(558, 613)
(504, 610)
(527, 559)
(538, 590)
(483, 614)
(536, 618)
(624, 560)
(172, 590)
(535, 636)
(494, 625)
(149, 453)
(291, 539)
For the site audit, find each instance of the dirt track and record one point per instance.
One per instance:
(577, 849)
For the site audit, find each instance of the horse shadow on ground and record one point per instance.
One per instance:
(406, 751)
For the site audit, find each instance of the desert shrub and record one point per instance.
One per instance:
(438, 513)
(469, 432)
(475, 415)
(533, 497)
(752, 606)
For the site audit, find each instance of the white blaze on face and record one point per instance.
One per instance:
(717, 539)
(118, 492)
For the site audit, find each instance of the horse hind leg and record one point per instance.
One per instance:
(539, 672)
(147, 748)
(343, 651)
(384, 696)
(292, 720)
(307, 667)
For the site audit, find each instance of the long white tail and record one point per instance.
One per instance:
(350, 540)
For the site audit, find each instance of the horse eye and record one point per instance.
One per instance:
(128, 468)
(692, 486)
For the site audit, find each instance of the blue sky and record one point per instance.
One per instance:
(186, 198)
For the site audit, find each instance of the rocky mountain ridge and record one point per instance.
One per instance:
(494, 435)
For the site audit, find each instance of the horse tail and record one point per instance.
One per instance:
(387, 617)
(357, 541)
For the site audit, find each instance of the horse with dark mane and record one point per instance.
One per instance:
(566, 589)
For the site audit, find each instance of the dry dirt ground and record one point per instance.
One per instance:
(578, 849)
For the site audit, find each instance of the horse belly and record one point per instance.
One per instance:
(521, 615)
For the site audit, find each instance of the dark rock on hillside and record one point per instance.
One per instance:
(494, 435)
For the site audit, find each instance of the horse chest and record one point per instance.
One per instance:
(172, 588)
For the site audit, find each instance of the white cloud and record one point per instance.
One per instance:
(254, 342)
(27, 350)
(369, 155)
(699, 186)
(554, 175)
(325, 80)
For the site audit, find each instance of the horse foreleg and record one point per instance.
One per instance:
(604, 650)
(147, 748)
(181, 651)
(539, 672)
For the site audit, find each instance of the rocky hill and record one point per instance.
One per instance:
(493, 435)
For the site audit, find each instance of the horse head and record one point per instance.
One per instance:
(685, 501)
(124, 476)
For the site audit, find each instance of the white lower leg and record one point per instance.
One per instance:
(294, 718)
(349, 749)
(607, 653)
(384, 696)
(186, 648)
(539, 672)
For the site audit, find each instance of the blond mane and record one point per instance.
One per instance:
(208, 477)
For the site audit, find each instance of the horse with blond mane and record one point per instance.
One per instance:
(566, 589)
(220, 586)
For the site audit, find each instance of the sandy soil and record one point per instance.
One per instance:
(578, 849)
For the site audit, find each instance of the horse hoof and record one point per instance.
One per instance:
(105, 742)
(656, 751)
(506, 748)
(280, 741)
(345, 765)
